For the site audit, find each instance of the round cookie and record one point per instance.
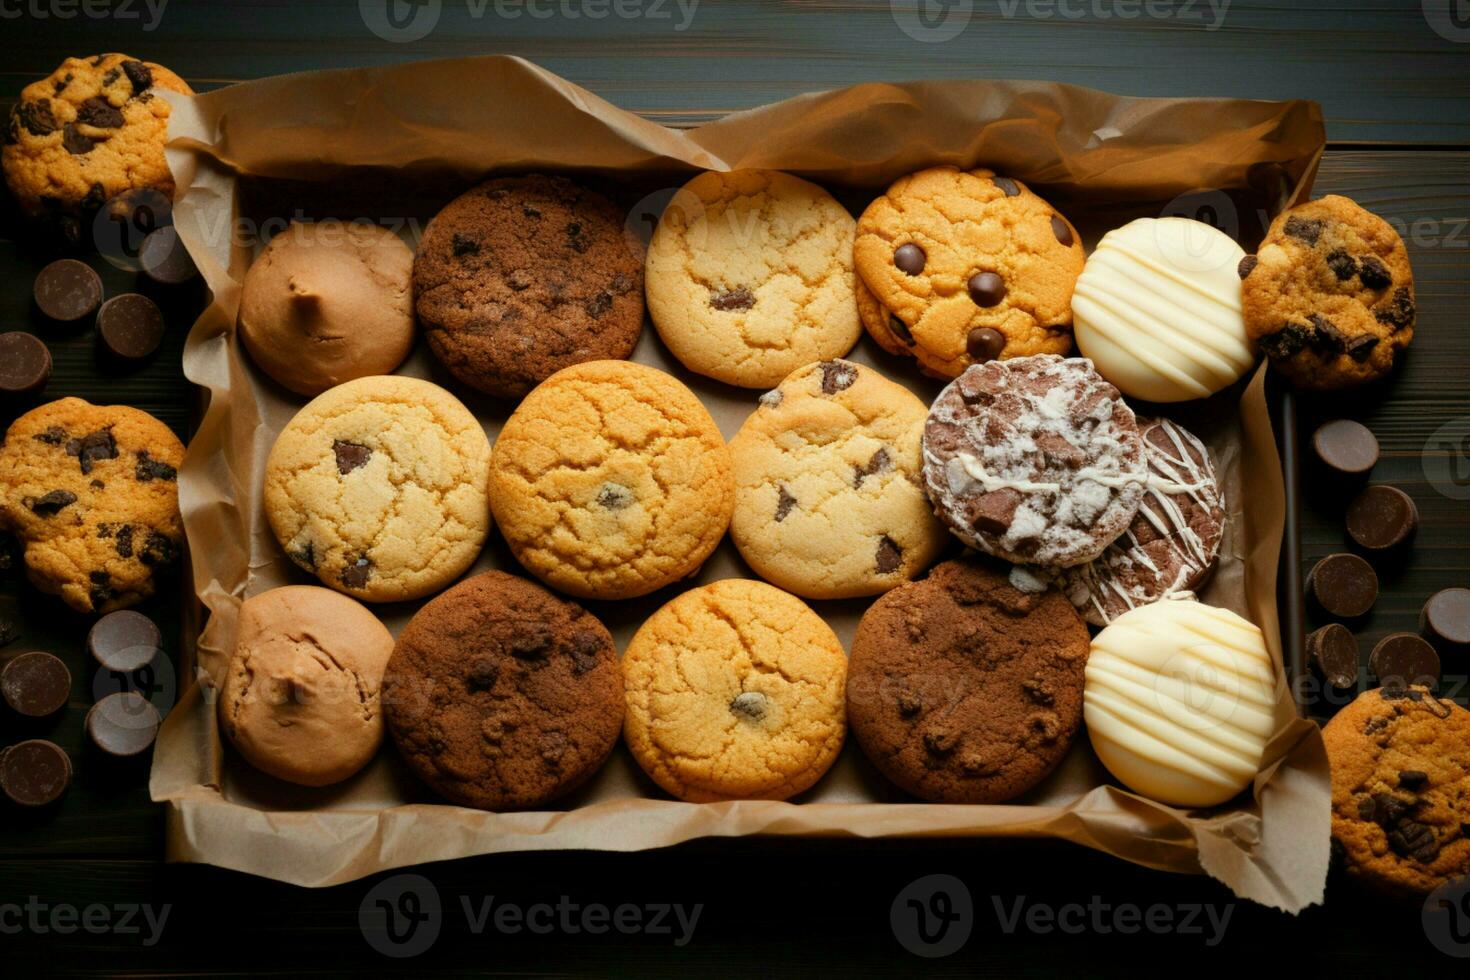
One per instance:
(750, 276)
(501, 696)
(377, 487)
(964, 267)
(1171, 546)
(735, 693)
(611, 480)
(1401, 788)
(524, 276)
(829, 500)
(1036, 460)
(324, 304)
(300, 698)
(91, 492)
(963, 689)
(91, 130)
(1329, 296)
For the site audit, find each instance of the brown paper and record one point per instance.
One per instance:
(393, 144)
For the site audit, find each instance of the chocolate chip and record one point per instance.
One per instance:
(614, 496)
(52, 435)
(1062, 230)
(305, 557)
(482, 675)
(1412, 779)
(158, 549)
(889, 557)
(92, 449)
(575, 239)
(1374, 273)
(1399, 313)
(139, 74)
(1247, 263)
(986, 289)
(1361, 348)
(150, 469)
(1366, 809)
(465, 245)
(529, 642)
(36, 117)
(111, 76)
(1007, 186)
(881, 461)
(909, 258)
(1388, 809)
(1284, 342)
(98, 112)
(900, 330)
(102, 591)
(784, 503)
(837, 376)
(750, 705)
(585, 648)
(60, 85)
(1326, 338)
(350, 455)
(530, 212)
(984, 344)
(74, 142)
(53, 502)
(123, 541)
(1343, 265)
(738, 298)
(356, 575)
(599, 304)
(993, 512)
(1307, 229)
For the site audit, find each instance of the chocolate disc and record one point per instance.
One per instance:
(1445, 619)
(130, 326)
(25, 364)
(1346, 447)
(34, 773)
(987, 289)
(1333, 650)
(164, 258)
(909, 258)
(984, 344)
(1381, 517)
(1344, 585)
(124, 641)
(123, 724)
(35, 685)
(1060, 229)
(67, 291)
(1401, 659)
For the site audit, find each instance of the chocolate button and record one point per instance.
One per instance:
(1007, 186)
(124, 641)
(123, 724)
(25, 364)
(67, 291)
(1344, 585)
(35, 773)
(987, 289)
(164, 258)
(1334, 652)
(1381, 517)
(1401, 659)
(1061, 230)
(1346, 447)
(984, 344)
(130, 326)
(1445, 620)
(909, 258)
(35, 685)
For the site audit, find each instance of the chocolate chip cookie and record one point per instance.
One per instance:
(91, 130)
(1036, 460)
(91, 492)
(524, 276)
(964, 689)
(501, 696)
(1329, 297)
(964, 267)
(1400, 762)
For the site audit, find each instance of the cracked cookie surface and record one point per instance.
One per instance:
(750, 276)
(91, 492)
(91, 130)
(962, 267)
(611, 480)
(1400, 763)
(829, 495)
(378, 487)
(735, 691)
(502, 696)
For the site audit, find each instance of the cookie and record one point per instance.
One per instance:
(1400, 760)
(300, 699)
(964, 689)
(1036, 460)
(1329, 296)
(735, 693)
(501, 696)
(829, 499)
(327, 302)
(524, 276)
(964, 267)
(377, 487)
(93, 129)
(1171, 546)
(91, 492)
(611, 480)
(750, 276)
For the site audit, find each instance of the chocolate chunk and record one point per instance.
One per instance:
(124, 641)
(575, 239)
(350, 455)
(36, 117)
(111, 76)
(74, 142)
(837, 376)
(1373, 273)
(739, 298)
(1333, 650)
(994, 511)
(158, 549)
(1381, 517)
(1346, 447)
(25, 364)
(1307, 229)
(1246, 264)
(881, 461)
(465, 245)
(986, 289)
(1361, 348)
(52, 502)
(130, 326)
(150, 469)
(909, 258)
(1063, 232)
(614, 496)
(900, 330)
(750, 705)
(35, 685)
(599, 304)
(139, 74)
(1325, 337)
(92, 448)
(100, 113)
(530, 212)
(889, 556)
(34, 773)
(123, 725)
(60, 85)
(1445, 620)
(1343, 265)
(1413, 779)
(529, 642)
(585, 648)
(1414, 839)
(1399, 313)
(1058, 451)
(356, 575)
(67, 291)
(305, 556)
(52, 435)
(164, 258)
(1344, 585)
(984, 344)
(123, 541)
(1007, 186)
(1366, 808)
(482, 675)
(1389, 810)
(784, 503)
(1285, 342)
(1402, 659)
(102, 591)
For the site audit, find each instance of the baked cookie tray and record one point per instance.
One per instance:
(392, 145)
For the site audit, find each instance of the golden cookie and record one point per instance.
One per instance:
(91, 130)
(735, 691)
(1329, 297)
(964, 267)
(611, 480)
(377, 487)
(829, 494)
(749, 276)
(91, 492)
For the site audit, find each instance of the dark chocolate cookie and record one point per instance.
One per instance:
(524, 276)
(963, 689)
(501, 696)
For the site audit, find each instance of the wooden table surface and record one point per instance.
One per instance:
(1394, 81)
